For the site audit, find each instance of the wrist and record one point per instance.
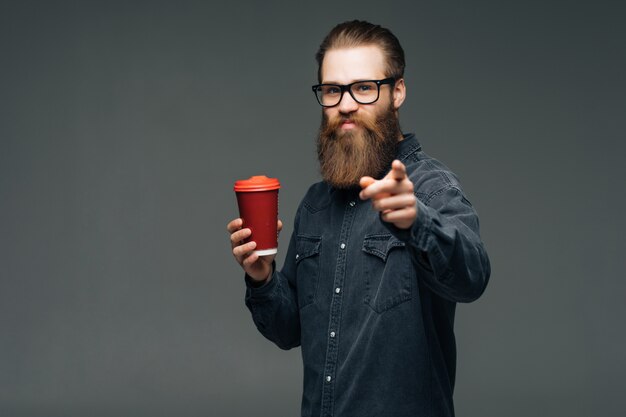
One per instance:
(259, 282)
(256, 283)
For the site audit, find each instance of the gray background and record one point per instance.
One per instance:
(123, 126)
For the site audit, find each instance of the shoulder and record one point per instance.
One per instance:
(430, 176)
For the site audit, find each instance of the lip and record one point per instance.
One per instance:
(348, 124)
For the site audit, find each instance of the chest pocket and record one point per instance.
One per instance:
(308, 268)
(387, 272)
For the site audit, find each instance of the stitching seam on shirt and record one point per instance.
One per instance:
(409, 152)
(440, 191)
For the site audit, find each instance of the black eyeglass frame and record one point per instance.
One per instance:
(348, 88)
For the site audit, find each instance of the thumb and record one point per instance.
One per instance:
(365, 182)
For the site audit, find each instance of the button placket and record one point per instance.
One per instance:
(336, 309)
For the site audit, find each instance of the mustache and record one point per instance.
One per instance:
(331, 125)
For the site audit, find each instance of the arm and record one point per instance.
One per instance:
(442, 233)
(270, 295)
(445, 245)
(274, 304)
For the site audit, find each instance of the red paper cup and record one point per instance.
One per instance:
(257, 198)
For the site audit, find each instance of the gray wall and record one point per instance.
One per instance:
(123, 126)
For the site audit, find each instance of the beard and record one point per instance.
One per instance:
(346, 156)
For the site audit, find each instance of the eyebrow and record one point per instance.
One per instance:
(351, 82)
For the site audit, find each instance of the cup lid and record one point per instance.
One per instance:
(257, 183)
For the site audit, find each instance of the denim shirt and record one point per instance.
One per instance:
(372, 306)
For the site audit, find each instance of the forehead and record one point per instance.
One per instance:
(345, 65)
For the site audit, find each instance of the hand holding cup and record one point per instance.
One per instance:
(258, 267)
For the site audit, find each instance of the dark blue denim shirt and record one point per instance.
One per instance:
(372, 306)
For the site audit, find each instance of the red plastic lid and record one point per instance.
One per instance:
(257, 183)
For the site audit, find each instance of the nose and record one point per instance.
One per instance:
(347, 103)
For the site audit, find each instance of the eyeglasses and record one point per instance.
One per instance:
(363, 92)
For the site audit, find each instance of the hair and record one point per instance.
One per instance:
(356, 33)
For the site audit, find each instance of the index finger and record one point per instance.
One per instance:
(398, 170)
(234, 225)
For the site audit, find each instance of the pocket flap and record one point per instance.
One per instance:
(380, 245)
(307, 246)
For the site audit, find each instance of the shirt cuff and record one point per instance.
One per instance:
(264, 291)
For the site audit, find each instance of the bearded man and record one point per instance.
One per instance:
(382, 249)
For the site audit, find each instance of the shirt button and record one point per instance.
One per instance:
(332, 334)
(328, 378)
(337, 290)
(343, 246)
(352, 203)
(297, 256)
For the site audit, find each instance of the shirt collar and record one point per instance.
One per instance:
(407, 146)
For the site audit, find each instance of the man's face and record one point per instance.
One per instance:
(358, 139)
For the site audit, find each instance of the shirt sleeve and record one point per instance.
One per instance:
(274, 305)
(446, 247)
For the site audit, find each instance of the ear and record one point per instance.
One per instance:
(399, 93)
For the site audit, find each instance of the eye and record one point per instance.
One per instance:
(364, 88)
(331, 89)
